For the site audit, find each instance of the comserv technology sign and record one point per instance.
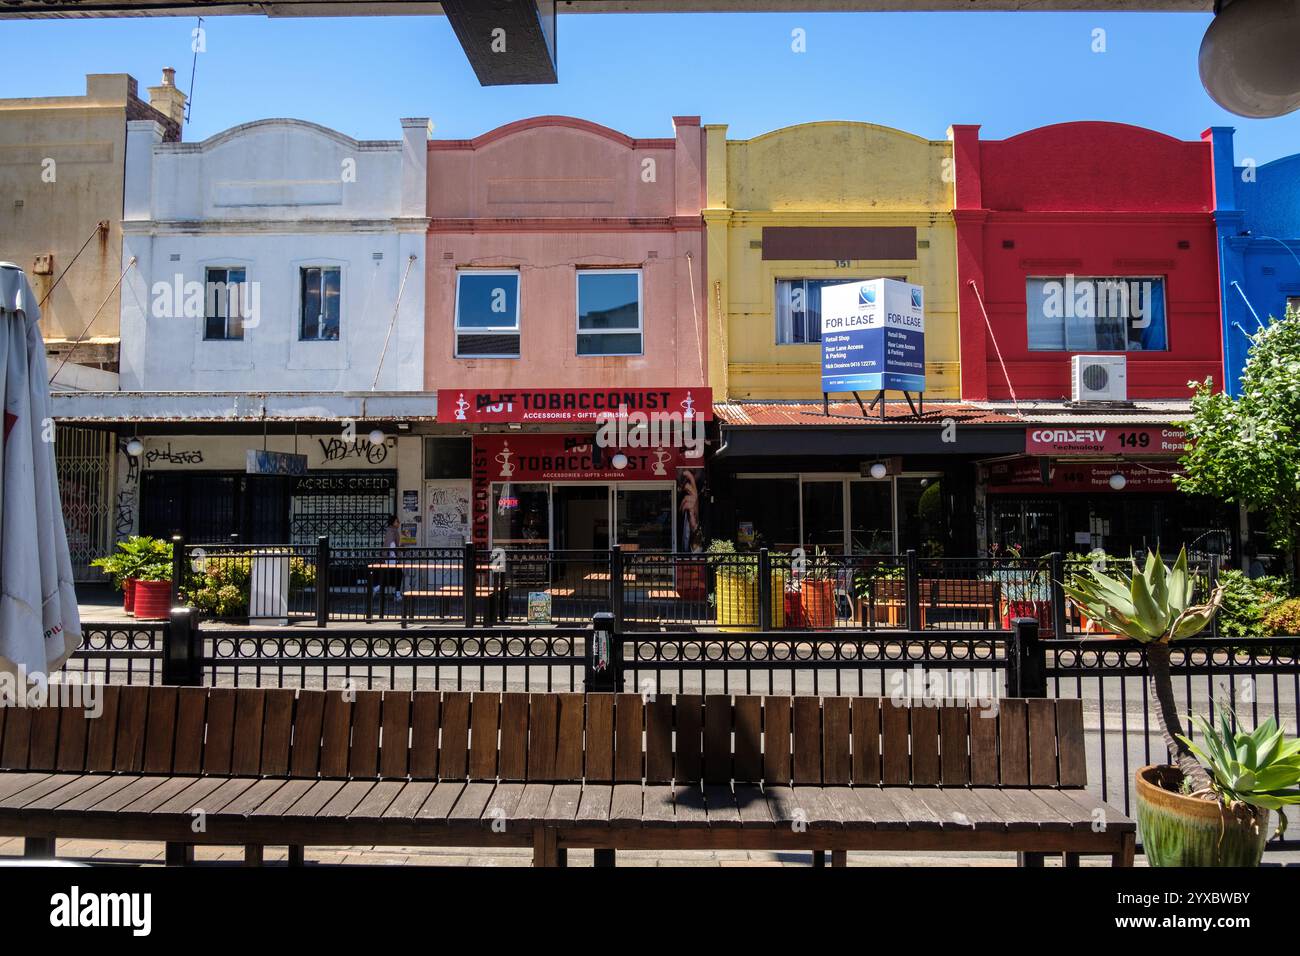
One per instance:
(873, 336)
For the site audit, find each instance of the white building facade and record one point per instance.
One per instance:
(275, 304)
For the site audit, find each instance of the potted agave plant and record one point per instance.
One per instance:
(1189, 815)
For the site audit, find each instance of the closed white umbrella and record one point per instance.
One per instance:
(39, 622)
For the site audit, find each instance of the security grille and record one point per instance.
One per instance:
(353, 508)
(83, 459)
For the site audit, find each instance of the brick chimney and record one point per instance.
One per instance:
(168, 100)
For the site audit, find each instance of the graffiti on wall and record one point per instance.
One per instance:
(166, 454)
(336, 449)
(124, 506)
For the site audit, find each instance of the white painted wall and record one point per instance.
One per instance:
(274, 196)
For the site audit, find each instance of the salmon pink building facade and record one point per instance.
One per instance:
(565, 280)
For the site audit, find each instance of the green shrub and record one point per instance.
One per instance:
(221, 586)
(1283, 618)
(1245, 603)
(140, 557)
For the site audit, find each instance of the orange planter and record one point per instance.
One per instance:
(153, 600)
(818, 601)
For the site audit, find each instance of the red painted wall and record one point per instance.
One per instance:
(1088, 199)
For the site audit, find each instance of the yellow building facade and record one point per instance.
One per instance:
(821, 203)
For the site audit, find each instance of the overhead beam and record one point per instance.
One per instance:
(63, 9)
(508, 42)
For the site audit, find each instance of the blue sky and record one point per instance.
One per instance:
(918, 72)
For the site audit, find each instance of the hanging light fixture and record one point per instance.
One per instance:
(878, 470)
(377, 436)
(1118, 481)
(619, 461)
(135, 448)
(1248, 62)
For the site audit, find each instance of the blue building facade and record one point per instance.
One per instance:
(1257, 215)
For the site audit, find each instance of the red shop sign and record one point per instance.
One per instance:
(546, 457)
(1089, 476)
(568, 406)
(1057, 440)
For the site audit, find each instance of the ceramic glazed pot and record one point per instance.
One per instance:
(1178, 830)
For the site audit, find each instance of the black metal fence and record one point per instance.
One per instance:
(268, 585)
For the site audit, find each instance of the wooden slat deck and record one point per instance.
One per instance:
(555, 771)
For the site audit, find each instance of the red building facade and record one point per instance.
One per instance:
(1046, 218)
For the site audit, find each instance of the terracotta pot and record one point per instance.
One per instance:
(153, 600)
(1178, 830)
(128, 595)
(818, 601)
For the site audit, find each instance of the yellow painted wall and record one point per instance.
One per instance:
(61, 162)
(821, 174)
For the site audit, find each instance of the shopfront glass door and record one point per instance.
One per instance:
(823, 515)
(922, 516)
(871, 513)
(644, 518)
(581, 517)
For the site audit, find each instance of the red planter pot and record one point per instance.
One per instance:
(818, 601)
(153, 600)
(1040, 610)
(128, 595)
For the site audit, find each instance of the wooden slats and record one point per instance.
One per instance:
(776, 740)
(74, 727)
(484, 724)
(426, 717)
(132, 712)
(246, 748)
(659, 740)
(160, 730)
(954, 744)
(747, 764)
(44, 739)
(308, 723)
(543, 735)
(277, 732)
(513, 761)
(717, 738)
(454, 751)
(836, 723)
(103, 732)
(221, 731)
(1042, 743)
(395, 735)
(1069, 742)
(865, 716)
(568, 745)
(925, 745)
(600, 738)
(689, 744)
(895, 761)
(1013, 735)
(983, 725)
(191, 716)
(628, 723)
(363, 755)
(807, 741)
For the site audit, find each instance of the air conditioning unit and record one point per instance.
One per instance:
(1099, 378)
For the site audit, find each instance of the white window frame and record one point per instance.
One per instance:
(516, 329)
(225, 268)
(577, 313)
(302, 299)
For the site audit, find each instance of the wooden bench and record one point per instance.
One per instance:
(552, 771)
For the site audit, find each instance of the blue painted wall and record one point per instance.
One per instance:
(1257, 216)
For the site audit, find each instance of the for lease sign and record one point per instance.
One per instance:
(1104, 439)
(873, 336)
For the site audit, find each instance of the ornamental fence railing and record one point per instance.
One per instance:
(271, 585)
